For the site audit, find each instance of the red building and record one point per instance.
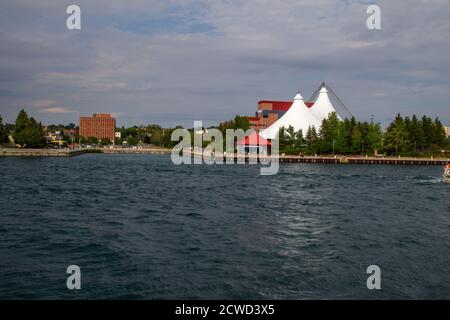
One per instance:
(100, 126)
(270, 111)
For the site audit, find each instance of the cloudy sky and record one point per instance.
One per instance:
(176, 61)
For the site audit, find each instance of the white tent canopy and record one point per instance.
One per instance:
(323, 107)
(298, 116)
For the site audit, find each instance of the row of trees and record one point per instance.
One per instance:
(150, 134)
(346, 136)
(404, 136)
(411, 135)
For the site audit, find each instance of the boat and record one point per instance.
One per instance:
(447, 173)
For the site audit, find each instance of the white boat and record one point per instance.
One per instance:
(447, 173)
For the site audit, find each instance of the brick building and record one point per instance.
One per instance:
(100, 126)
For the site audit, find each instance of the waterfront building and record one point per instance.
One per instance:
(100, 126)
(298, 114)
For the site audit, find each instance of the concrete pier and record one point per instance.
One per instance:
(16, 152)
(133, 151)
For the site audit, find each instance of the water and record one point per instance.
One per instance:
(141, 228)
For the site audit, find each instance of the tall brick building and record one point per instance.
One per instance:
(100, 126)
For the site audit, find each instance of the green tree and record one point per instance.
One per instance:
(356, 140)
(311, 139)
(415, 135)
(299, 139)
(240, 122)
(438, 133)
(19, 128)
(331, 135)
(427, 128)
(132, 140)
(291, 136)
(348, 127)
(92, 140)
(284, 140)
(35, 135)
(3, 132)
(28, 132)
(396, 137)
(374, 137)
(105, 142)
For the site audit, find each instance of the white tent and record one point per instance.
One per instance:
(323, 106)
(298, 116)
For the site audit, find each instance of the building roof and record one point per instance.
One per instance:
(283, 105)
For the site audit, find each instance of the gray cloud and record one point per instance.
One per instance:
(175, 61)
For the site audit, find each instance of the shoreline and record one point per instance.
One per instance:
(45, 153)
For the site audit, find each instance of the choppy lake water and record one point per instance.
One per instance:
(140, 227)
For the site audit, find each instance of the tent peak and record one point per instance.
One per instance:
(298, 96)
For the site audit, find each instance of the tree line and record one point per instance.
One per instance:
(404, 136)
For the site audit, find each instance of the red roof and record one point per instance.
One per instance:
(283, 105)
(278, 105)
(254, 119)
(254, 140)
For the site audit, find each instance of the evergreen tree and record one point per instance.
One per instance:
(329, 134)
(240, 122)
(396, 137)
(374, 137)
(415, 135)
(439, 135)
(348, 127)
(427, 128)
(356, 140)
(19, 128)
(291, 136)
(311, 139)
(3, 132)
(299, 139)
(34, 134)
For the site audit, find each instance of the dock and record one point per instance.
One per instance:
(333, 160)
